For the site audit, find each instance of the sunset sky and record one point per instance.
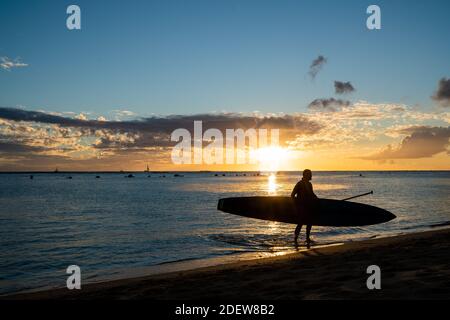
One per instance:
(108, 96)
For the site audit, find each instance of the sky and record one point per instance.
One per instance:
(108, 96)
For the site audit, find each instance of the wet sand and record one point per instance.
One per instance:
(413, 266)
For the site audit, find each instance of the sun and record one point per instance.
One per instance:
(271, 159)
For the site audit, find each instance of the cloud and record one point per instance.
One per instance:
(123, 114)
(17, 147)
(316, 66)
(141, 133)
(421, 142)
(442, 94)
(343, 87)
(8, 64)
(329, 105)
(81, 116)
(42, 140)
(167, 124)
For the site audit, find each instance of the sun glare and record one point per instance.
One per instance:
(271, 159)
(272, 184)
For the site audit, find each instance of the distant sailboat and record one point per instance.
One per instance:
(56, 170)
(148, 169)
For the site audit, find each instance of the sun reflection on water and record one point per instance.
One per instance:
(272, 184)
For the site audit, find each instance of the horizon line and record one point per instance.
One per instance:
(215, 171)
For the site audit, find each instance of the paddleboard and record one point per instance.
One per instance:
(327, 212)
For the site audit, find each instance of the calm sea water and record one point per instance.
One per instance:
(114, 223)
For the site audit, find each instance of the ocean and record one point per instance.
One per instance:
(112, 225)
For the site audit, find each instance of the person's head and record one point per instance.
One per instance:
(307, 174)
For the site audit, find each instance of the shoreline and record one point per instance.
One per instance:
(413, 266)
(175, 266)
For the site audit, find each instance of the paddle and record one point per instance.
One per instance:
(360, 195)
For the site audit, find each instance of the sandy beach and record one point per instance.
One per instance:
(413, 266)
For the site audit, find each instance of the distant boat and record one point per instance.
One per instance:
(129, 176)
(148, 169)
(56, 170)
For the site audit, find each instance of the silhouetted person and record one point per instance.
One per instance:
(304, 194)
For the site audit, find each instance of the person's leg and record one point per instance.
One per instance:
(297, 231)
(308, 232)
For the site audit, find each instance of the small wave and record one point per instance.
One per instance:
(266, 243)
(174, 261)
(256, 241)
(426, 225)
(442, 224)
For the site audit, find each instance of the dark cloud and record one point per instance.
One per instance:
(155, 131)
(165, 124)
(316, 66)
(343, 87)
(421, 142)
(18, 147)
(442, 94)
(329, 105)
